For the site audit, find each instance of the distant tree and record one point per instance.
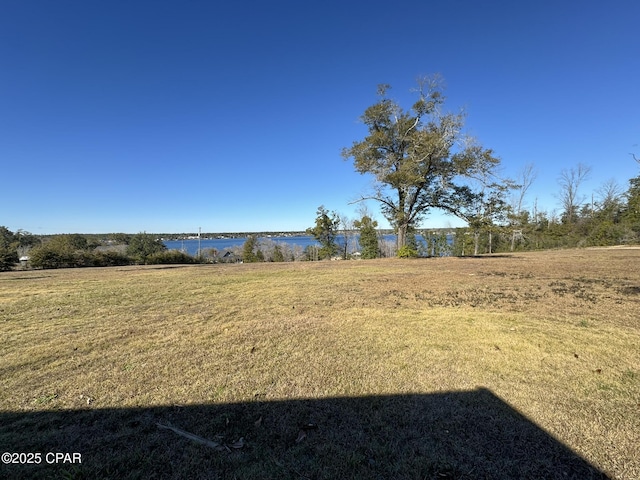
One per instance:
(485, 210)
(463, 242)
(609, 196)
(168, 257)
(443, 246)
(110, 258)
(250, 250)
(437, 244)
(278, 255)
(388, 248)
(7, 237)
(631, 214)
(518, 216)
(69, 241)
(54, 253)
(311, 253)
(412, 246)
(272, 251)
(143, 245)
(63, 251)
(210, 255)
(368, 237)
(632, 209)
(346, 234)
(75, 241)
(420, 158)
(121, 238)
(295, 253)
(570, 181)
(8, 249)
(428, 249)
(46, 257)
(522, 185)
(604, 223)
(325, 232)
(26, 241)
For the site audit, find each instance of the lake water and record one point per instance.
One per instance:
(221, 244)
(190, 246)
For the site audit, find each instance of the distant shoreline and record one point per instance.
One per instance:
(226, 235)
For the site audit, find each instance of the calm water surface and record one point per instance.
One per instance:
(191, 246)
(221, 244)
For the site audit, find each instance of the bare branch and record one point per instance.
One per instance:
(609, 193)
(570, 181)
(376, 198)
(412, 126)
(526, 177)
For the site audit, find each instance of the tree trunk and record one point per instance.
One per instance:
(402, 236)
(403, 225)
(476, 240)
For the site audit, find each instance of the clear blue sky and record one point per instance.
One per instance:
(166, 116)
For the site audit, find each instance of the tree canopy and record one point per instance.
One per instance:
(326, 232)
(420, 157)
(368, 237)
(144, 245)
(8, 253)
(250, 250)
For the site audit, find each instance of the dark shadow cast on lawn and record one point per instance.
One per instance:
(450, 435)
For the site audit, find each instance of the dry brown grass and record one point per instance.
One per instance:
(554, 335)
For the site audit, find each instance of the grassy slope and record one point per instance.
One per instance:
(554, 335)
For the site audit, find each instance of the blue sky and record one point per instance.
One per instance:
(166, 116)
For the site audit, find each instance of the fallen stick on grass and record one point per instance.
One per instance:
(195, 438)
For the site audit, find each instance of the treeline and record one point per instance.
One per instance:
(499, 223)
(25, 250)
(351, 240)
(607, 216)
(75, 250)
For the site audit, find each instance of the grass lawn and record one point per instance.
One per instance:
(515, 366)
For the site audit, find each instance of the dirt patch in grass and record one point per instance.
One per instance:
(403, 367)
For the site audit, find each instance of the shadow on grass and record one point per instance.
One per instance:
(450, 435)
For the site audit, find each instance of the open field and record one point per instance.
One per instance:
(515, 366)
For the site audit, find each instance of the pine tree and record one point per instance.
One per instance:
(249, 248)
(368, 237)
